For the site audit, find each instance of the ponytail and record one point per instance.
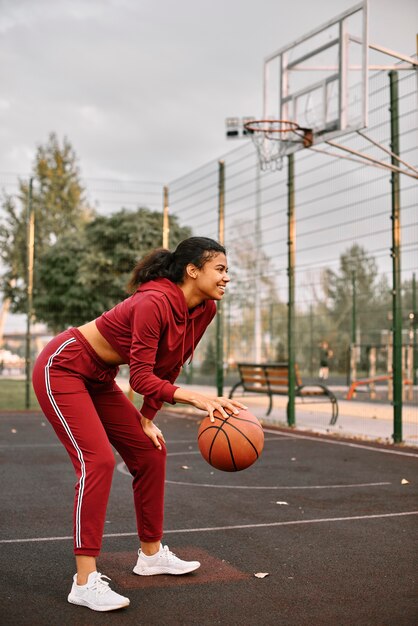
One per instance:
(162, 263)
(154, 265)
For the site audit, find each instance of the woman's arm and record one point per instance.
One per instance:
(207, 403)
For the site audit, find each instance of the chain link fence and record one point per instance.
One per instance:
(343, 259)
(343, 264)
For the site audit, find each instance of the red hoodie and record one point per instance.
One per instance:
(155, 333)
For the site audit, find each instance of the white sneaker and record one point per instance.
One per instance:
(96, 594)
(164, 562)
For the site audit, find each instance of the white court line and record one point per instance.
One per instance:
(12, 446)
(235, 527)
(277, 487)
(342, 443)
(121, 467)
(294, 435)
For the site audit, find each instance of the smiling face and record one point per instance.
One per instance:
(208, 282)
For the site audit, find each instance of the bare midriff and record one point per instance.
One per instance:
(99, 344)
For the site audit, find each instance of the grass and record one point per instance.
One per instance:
(13, 395)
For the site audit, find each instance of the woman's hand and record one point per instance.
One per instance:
(225, 406)
(152, 431)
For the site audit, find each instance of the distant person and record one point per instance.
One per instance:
(155, 331)
(324, 358)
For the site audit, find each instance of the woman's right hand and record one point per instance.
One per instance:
(225, 406)
(152, 431)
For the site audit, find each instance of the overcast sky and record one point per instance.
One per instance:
(142, 88)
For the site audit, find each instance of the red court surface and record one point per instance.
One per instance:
(333, 523)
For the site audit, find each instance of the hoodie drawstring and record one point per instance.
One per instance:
(184, 341)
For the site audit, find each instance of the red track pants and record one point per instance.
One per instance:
(89, 412)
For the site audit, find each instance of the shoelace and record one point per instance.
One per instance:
(168, 554)
(101, 586)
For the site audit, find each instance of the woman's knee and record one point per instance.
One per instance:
(103, 463)
(150, 461)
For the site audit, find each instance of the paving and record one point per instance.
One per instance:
(359, 418)
(332, 522)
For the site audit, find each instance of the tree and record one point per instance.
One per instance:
(209, 361)
(245, 287)
(58, 199)
(359, 270)
(81, 277)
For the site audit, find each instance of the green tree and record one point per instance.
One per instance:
(371, 291)
(81, 277)
(244, 259)
(58, 199)
(209, 361)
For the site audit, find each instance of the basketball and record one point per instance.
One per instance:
(231, 444)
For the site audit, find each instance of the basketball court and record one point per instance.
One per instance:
(332, 523)
(318, 530)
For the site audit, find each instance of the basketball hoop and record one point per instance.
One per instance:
(273, 139)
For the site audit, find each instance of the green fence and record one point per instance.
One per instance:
(343, 271)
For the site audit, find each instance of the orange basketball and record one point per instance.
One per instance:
(231, 444)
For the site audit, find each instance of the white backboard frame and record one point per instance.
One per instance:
(320, 81)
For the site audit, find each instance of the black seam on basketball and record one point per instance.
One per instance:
(241, 433)
(220, 429)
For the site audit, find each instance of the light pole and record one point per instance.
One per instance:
(235, 129)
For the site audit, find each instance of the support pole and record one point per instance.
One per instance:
(30, 244)
(396, 264)
(414, 331)
(257, 272)
(166, 222)
(353, 354)
(219, 317)
(291, 288)
(311, 342)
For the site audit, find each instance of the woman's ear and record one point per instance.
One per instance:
(191, 271)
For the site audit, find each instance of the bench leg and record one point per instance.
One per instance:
(270, 405)
(334, 405)
(231, 393)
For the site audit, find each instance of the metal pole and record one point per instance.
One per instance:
(311, 342)
(257, 273)
(414, 330)
(30, 232)
(166, 223)
(396, 263)
(219, 317)
(353, 348)
(291, 288)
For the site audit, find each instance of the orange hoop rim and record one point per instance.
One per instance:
(255, 126)
(279, 130)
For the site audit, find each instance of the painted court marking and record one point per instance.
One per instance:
(121, 467)
(342, 443)
(233, 527)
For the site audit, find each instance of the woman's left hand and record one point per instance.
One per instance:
(152, 431)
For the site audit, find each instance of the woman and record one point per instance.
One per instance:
(154, 330)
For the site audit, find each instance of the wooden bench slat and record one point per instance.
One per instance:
(273, 379)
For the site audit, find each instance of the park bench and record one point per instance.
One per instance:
(370, 382)
(272, 379)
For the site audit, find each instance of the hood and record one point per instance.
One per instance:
(175, 298)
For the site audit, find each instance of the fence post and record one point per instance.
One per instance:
(414, 331)
(353, 345)
(219, 317)
(396, 263)
(30, 243)
(166, 222)
(291, 287)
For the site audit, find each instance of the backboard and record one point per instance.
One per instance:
(320, 80)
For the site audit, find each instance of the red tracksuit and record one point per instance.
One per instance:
(154, 332)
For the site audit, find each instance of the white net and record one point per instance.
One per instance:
(273, 140)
